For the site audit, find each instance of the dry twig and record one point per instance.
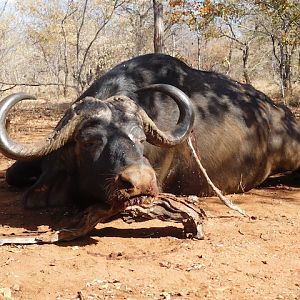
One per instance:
(226, 201)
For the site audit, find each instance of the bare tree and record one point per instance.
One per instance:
(242, 43)
(83, 52)
(158, 26)
(68, 14)
(139, 14)
(280, 22)
(65, 37)
(2, 9)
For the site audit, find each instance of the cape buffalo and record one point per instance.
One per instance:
(119, 140)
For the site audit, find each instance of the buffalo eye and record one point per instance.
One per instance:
(91, 142)
(90, 137)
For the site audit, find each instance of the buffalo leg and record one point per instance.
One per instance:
(52, 189)
(23, 173)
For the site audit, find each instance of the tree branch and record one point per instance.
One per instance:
(3, 8)
(79, 32)
(65, 48)
(14, 84)
(116, 5)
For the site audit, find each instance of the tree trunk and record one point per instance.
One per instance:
(198, 52)
(158, 26)
(139, 33)
(284, 63)
(299, 63)
(245, 64)
(229, 58)
(285, 71)
(174, 46)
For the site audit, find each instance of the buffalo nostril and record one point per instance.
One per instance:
(138, 180)
(126, 183)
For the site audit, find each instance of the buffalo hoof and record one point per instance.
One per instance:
(36, 198)
(23, 173)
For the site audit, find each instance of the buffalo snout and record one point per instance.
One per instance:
(137, 180)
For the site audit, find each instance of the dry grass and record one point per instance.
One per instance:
(271, 89)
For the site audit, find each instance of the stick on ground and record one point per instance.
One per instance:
(164, 207)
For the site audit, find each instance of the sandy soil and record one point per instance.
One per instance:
(240, 258)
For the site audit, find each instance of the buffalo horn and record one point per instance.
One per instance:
(185, 122)
(18, 151)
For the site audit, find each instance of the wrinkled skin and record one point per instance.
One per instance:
(94, 166)
(241, 136)
(104, 151)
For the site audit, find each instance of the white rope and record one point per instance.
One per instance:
(226, 201)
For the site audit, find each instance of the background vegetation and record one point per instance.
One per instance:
(55, 49)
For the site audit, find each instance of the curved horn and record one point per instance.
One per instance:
(16, 150)
(185, 122)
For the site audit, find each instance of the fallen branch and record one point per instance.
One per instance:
(164, 207)
(83, 222)
(36, 84)
(9, 88)
(167, 207)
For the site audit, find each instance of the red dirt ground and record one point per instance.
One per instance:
(240, 258)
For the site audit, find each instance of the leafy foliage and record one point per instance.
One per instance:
(68, 43)
(242, 22)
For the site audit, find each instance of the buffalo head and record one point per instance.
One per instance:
(96, 152)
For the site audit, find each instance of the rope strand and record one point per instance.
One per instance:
(226, 201)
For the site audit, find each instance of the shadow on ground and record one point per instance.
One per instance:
(14, 217)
